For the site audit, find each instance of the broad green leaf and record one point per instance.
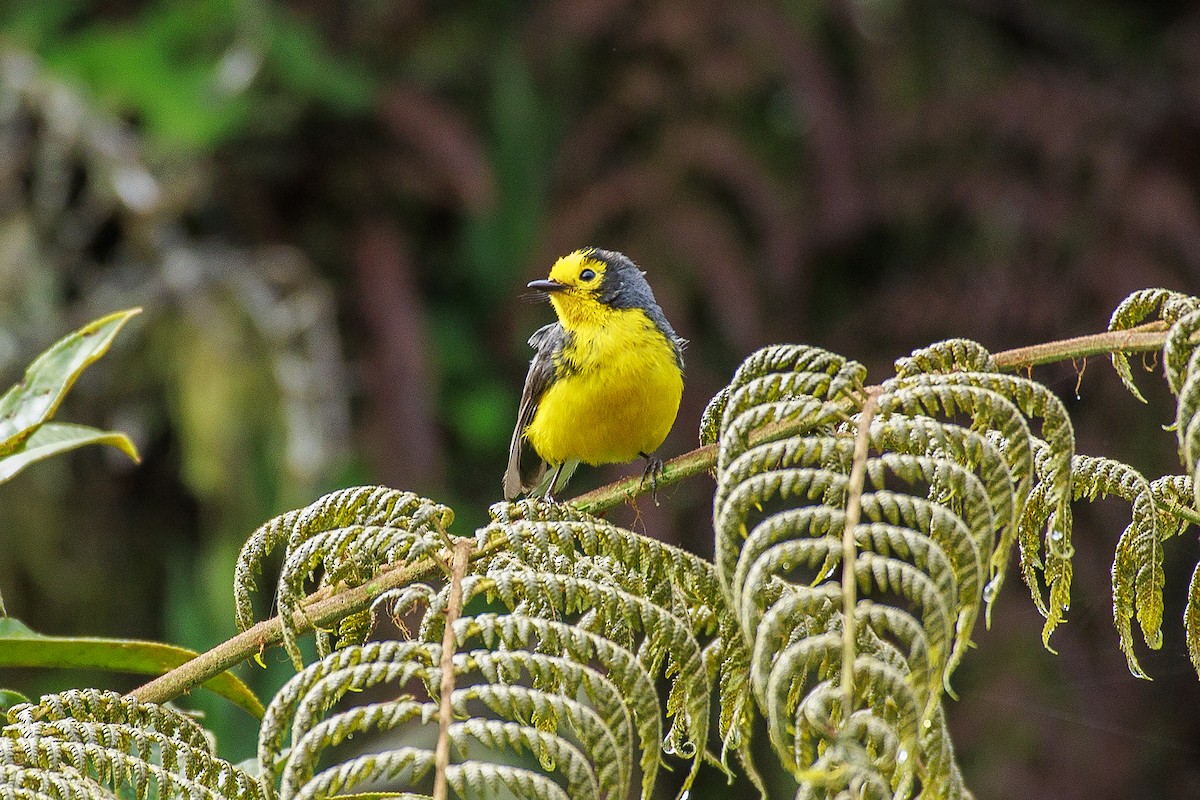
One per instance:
(22, 647)
(10, 698)
(53, 438)
(33, 401)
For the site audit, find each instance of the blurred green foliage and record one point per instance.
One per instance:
(194, 74)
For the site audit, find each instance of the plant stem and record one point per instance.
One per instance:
(1187, 513)
(454, 605)
(1141, 339)
(858, 474)
(319, 611)
(702, 459)
(324, 610)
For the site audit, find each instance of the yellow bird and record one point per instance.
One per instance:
(605, 380)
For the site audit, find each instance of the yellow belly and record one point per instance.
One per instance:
(620, 400)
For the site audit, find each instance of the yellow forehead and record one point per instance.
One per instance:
(566, 269)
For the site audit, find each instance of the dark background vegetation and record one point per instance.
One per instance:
(329, 211)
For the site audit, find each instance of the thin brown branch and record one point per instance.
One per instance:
(454, 605)
(318, 611)
(702, 459)
(1141, 339)
(323, 611)
(858, 474)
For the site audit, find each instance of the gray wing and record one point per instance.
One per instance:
(545, 341)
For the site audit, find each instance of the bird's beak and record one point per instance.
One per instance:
(547, 286)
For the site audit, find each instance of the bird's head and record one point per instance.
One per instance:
(588, 284)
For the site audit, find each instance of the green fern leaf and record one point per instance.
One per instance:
(121, 744)
(1191, 619)
(58, 783)
(346, 536)
(595, 617)
(1178, 350)
(1168, 305)
(951, 355)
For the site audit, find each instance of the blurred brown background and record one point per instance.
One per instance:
(329, 211)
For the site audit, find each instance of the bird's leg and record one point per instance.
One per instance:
(549, 496)
(654, 468)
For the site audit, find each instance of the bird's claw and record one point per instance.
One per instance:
(654, 468)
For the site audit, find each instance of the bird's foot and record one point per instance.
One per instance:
(553, 484)
(654, 468)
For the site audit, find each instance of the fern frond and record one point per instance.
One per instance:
(595, 617)
(943, 507)
(1187, 418)
(662, 641)
(1176, 498)
(558, 644)
(990, 399)
(977, 454)
(61, 783)
(94, 737)
(1137, 572)
(1191, 619)
(1179, 496)
(940, 505)
(951, 355)
(1178, 350)
(1169, 306)
(345, 537)
(599, 650)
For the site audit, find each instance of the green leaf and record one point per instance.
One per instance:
(10, 698)
(22, 647)
(59, 437)
(33, 401)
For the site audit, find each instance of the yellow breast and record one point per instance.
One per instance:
(617, 394)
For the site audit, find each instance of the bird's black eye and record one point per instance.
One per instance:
(587, 275)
